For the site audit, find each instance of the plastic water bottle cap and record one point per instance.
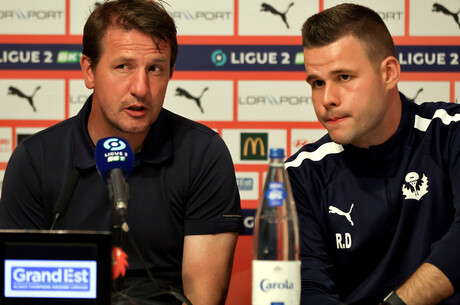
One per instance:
(276, 153)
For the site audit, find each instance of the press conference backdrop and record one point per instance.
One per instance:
(239, 71)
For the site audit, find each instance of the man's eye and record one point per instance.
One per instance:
(345, 77)
(318, 83)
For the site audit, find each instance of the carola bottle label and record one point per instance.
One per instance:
(275, 282)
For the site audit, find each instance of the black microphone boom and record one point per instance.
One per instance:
(65, 196)
(118, 190)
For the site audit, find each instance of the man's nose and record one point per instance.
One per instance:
(139, 83)
(330, 96)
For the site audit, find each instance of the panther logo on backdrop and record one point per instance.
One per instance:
(441, 8)
(187, 95)
(30, 98)
(265, 7)
(415, 97)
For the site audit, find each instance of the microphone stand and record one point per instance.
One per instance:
(120, 227)
(118, 241)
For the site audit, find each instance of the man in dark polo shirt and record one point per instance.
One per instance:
(184, 209)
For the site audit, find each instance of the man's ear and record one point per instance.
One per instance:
(88, 75)
(391, 71)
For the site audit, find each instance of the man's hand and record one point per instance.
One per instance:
(427, 286)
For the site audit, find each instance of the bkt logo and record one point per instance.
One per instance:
(68, 57)
(38, 15)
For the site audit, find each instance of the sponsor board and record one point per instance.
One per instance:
(2, 174)
(240, 58)
(248, 185)
(40, 56)
(428, 58)
(50, 279)
(443, 17)
(201, 100)
(27, 99)
(290, 58)
(457, 93)
(425, 91)
(274, 17)
(248, 220)
(6, 143)
(276, 101)
(204, 17)
(391, 11)
(78, 93)
(301, 137)
(79, 12)
(223, 57)
(23, 133)
(44, 17)
(252, 145)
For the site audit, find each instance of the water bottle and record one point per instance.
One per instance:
(276, 264)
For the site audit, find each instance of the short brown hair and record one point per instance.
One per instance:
(144, 15)
(345, 19)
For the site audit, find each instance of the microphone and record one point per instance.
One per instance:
(114, 161)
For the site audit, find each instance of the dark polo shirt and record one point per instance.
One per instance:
(183, 183)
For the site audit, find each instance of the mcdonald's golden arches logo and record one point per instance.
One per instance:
(254, 146)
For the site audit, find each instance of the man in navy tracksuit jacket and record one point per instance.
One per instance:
(378, 197)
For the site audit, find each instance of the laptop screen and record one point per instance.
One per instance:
(55, 267)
